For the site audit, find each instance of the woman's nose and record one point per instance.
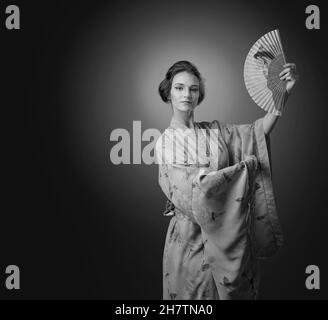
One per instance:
(187, 92)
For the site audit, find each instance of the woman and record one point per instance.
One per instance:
(217, 180)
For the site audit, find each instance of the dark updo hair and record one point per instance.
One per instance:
(180, 66)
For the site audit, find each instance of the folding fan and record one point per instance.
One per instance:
(263, 64)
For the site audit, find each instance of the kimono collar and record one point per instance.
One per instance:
(175, 124)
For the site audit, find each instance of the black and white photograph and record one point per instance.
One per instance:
(164, 151)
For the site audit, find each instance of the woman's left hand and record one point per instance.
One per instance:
(290, 75)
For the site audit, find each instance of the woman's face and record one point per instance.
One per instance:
(184, 91)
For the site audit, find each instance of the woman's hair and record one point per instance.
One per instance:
(180, 66)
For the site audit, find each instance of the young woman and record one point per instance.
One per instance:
(217, 179)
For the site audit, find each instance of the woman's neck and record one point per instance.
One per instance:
(186, 118)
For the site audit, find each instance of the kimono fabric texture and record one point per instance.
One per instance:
(217, 180)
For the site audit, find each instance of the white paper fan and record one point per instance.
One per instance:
(262, 66)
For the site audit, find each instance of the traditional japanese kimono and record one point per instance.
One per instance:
(217, 180)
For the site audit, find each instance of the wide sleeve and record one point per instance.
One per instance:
(247, 140)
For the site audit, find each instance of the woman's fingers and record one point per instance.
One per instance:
(288, 76)
(288, 67)
(283, 72)
(289, 73)
(291, 65)
(284, 77)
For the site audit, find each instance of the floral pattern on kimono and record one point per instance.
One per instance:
(221, 203)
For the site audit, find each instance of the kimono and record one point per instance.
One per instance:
(217, 180)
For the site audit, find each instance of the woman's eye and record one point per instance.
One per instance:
(194, 90)
(179, 88)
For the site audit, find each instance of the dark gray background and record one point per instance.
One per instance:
(81, 227)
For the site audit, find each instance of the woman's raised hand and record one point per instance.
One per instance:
(290, 75)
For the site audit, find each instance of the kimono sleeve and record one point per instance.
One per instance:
(250, 139)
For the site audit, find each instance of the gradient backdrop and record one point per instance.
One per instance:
(79, 226)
